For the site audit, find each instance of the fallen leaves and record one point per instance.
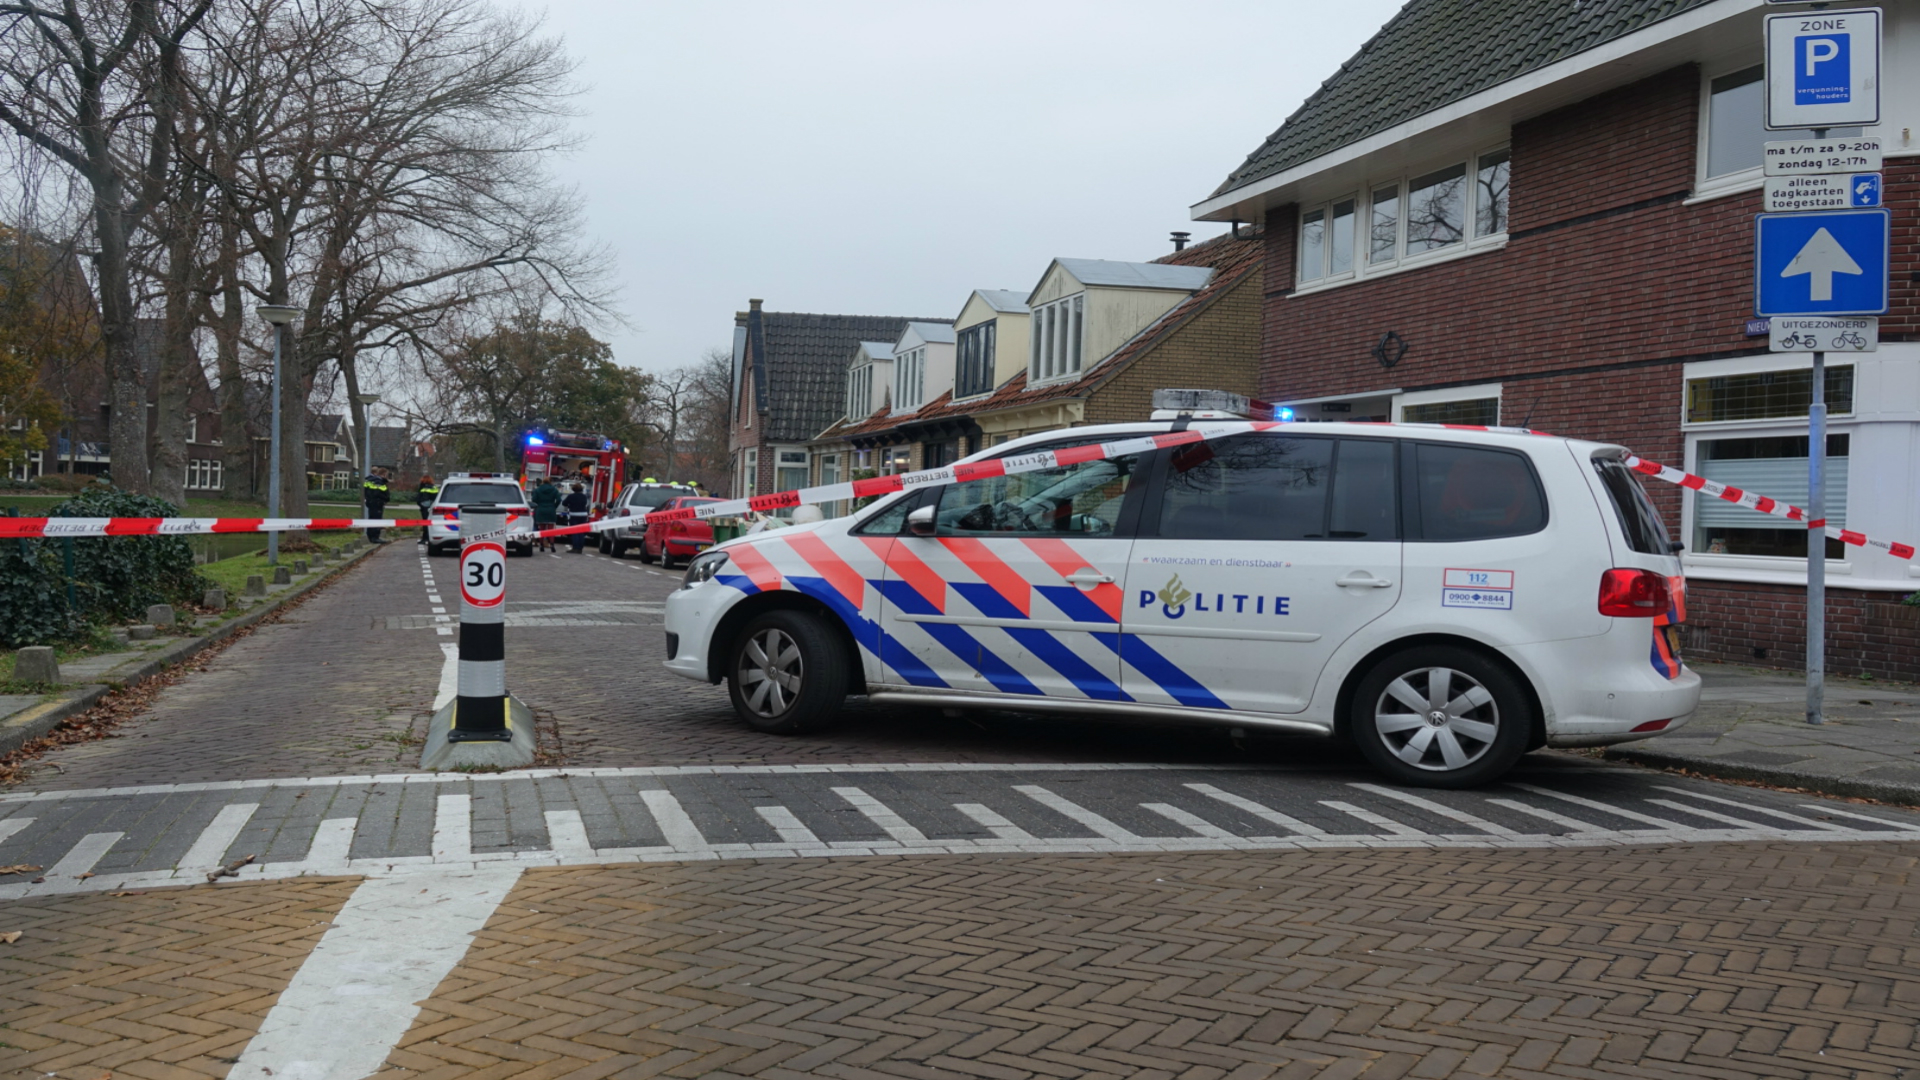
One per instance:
(232, 869)
(9, 937)
(19, 868)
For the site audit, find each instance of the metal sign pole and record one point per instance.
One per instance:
(480, 710)
(1817, 543)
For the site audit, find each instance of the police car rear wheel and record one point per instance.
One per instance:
(789, 673)
(1440, 716)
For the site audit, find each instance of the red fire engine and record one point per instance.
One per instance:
(566, 456)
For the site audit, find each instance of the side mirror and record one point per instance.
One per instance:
(920, 522)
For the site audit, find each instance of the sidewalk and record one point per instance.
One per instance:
(1752, 725)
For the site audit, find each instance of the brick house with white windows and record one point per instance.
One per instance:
(1548, 220)
(789, 383)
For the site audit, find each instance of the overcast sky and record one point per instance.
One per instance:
(888, 158)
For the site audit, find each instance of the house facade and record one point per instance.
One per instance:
(1551, 224)
(789, 385)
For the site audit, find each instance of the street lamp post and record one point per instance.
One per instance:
(279, 315)
(367, 402)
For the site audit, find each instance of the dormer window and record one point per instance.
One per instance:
(974, 375)
(1057, 332)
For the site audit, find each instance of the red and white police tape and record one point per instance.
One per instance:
(1011, 465)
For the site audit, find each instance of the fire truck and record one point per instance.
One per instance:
(594, 460)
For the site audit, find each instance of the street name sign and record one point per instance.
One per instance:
(1823, 69)
(1786, 194)
(1802, 333)
(1833, 262)
(1809, 156)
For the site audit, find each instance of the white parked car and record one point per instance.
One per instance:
(461, 489)
(1447, 599)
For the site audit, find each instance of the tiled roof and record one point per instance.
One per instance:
(1228, 260)
(805, 366)
(1434, 52)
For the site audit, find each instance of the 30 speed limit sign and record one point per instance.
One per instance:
(483, 574)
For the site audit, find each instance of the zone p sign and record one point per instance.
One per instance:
(1823, 69)
(483, 574)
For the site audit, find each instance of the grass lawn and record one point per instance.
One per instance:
(231, 574)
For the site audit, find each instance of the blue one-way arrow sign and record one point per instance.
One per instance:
(1827, 263)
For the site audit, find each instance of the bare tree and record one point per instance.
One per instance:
(96, 84)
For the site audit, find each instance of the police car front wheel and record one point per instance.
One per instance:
(1440, 716)
(788, 673)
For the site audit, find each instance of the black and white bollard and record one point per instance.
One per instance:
(483, 725)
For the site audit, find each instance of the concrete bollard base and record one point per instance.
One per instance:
(441, 754)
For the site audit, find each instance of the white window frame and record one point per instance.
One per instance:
(1056, 346)
(910, 374)
(1438, 397)
(1364, 267)
(1741, 180)
(193, 427)
(749, 472)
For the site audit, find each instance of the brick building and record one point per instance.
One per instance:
(1548, 220)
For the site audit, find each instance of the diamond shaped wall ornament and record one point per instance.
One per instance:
(1389, 349)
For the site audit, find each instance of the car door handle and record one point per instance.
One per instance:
(1360, 579)
(1089, 576)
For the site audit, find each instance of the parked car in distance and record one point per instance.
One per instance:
(463, 489)
(636, 501)
(672, 541)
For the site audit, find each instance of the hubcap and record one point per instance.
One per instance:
(770, 672)
(1437, 719)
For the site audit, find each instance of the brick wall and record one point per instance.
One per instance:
(1765, 625)
(1217, 349)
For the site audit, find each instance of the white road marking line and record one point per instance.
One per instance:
(1394, 828)
(1579, 827)
(1795, 818)
(791, 829)
(1100, 825)
(453, 828)
(210, 848)
(568, 834)
(678, 829)
(1194, 823)
(994, 823)
(1606, 808)
(80, 858)
(1724, 819)
(1824, 809)
(449, 675)
(332, 846)
(877, 812)
(1437, 809)
(1291, 824)
(357, 993)
(13, 825)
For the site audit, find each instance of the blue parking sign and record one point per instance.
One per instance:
(1822, 69)
(1832, 262)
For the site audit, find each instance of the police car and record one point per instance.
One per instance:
(466, 488)
(1446, 598)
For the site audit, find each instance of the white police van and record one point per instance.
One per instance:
(1447, 598)
(477, 488)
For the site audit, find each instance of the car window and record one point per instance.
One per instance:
(464, 494)
(1082, 499)
(651, 497)
(1364, 503)
(1639, 518)
(893, 520)
(1475, 493)
(1248, 487)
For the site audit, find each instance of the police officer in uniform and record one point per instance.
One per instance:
(423, 498)
(374, 491)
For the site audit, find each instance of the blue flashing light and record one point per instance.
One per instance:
(535, 440)
(1283, 414)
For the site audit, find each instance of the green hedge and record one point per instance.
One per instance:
(115, 578)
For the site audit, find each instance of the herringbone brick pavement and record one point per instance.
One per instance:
(1723, 962)
(168, 984)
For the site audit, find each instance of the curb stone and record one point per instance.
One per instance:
(1888, 791)
(31, 723)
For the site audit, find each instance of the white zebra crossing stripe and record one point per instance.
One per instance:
(889, 822)
(1437, 809)
(1196, 824)
(13, 825)
(790, 828)
(1100, 825)
(994, 823)
(453, 828)
(568, 834)
(1393, 828)
(678, 829)
(1291, 824)
(210, 847)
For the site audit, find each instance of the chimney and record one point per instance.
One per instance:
(754, 305)
(1180, 240)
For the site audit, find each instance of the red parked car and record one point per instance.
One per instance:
(673, 541)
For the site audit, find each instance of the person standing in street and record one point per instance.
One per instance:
(576, 504)
(546, 509)
(423, 497)
(374, 492)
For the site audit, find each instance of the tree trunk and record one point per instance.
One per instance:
(350, 372)
(126, 378)
(168, 476)
(236, 436)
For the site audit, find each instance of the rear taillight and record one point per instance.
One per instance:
(1632, 594)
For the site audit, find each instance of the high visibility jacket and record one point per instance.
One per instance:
(374, 490)
(425, 496)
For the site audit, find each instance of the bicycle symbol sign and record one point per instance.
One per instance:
(483, 574)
